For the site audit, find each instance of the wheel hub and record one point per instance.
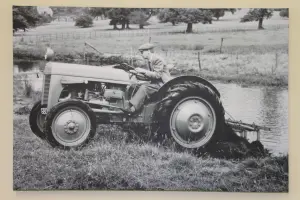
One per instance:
(192, 122)
(71, 127)
(195, 123)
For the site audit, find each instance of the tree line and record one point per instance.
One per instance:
(121, 18)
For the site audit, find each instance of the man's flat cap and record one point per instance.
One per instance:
(146, 46)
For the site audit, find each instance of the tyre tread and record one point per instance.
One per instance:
(180, 91)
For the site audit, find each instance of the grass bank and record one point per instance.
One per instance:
(268, 69)
(111, 162)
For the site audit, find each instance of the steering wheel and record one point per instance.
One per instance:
(130, 69)
(124, 66)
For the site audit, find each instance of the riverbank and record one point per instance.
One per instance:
(111, 162)
(251, 69)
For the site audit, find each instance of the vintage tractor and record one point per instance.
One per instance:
(76, 98)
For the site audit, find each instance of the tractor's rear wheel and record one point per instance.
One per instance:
(70, 124)
(191, 115)
(36, 120)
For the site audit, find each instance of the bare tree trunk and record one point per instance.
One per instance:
(189, 28)
(141, 26)
(173, 23)
(115, 27)
(260, 22)
(127, 24)
(123, 25)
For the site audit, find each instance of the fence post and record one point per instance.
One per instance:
(221, 45)
(199, 61)
(237, 65)
(84, 54)
(276, 64)
(131, 60)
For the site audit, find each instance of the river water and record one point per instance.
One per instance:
(259, 105)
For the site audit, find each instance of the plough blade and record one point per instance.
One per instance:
(241, 126)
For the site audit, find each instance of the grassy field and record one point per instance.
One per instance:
(111, 162)
(249, 56)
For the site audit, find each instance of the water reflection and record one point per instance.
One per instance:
(28, 66)
(263, 106)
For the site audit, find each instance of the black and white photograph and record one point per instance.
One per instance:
(150, 99)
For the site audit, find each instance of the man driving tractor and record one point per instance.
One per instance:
(158, 74)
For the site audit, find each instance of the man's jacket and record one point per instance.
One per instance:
(159, 72)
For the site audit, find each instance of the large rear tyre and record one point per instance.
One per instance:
(36, 120)
(191, 116)
(70, 124)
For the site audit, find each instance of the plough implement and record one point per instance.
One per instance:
(243, 128)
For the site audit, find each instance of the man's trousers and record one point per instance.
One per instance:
(144, 91)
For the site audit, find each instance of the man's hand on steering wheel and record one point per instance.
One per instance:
(141, 70)
(135, 72)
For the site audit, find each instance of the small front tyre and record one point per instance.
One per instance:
(70, 124)
(36, 120)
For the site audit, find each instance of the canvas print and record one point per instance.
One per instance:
(157, 99)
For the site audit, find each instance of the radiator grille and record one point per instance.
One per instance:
(46, 87)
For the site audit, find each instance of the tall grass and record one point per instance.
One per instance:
(111, 163)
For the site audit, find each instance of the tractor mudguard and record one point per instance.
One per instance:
(161, 92)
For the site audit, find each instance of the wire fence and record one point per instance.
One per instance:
(95, 34)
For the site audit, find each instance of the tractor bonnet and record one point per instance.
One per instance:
(106, 73)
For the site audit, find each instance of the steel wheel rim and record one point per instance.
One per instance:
(40, 121)
(192, 122)
(71, 126)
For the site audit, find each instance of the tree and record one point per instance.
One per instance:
(220, 12)
(232, 10)
(258, 15)
(119, 16)
(44, 19)
(84, 21)
(192, 16)
(284, 13)
(140, 16)
(166, 15)
(96, 11)
(217, 13)
(189, 16)
(24, 17)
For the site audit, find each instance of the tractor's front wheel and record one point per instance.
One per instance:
(36, 120)
(191, 115)
(70, 123)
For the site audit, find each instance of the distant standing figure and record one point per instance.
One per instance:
(49, 54)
